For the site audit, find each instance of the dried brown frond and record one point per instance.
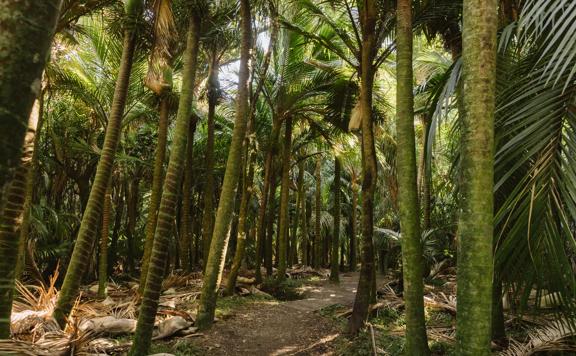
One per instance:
(164, 35)
(556, 336)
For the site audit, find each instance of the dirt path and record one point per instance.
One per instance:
(283, 328)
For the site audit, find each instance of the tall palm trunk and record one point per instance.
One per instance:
(334, 267)
(103, 259)
(364, 294)
(270, 216)
(26, 36)
(284, 201)
(186, 212)
(92, 212)
(475, 226)
(425, 175)
(208, 212)
(10, 224)
(215, 264)
(353, 233)
(412, 258)
(301, 218)
(317, 260)
(293, 248)
(33, 169)
(170, 192)
(156, 192)
(268, 177)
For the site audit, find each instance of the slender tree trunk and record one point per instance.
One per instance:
(283, 225)
(364, 294)
(10, 224)
(112, 251)
(318, 210)
(215, 264)
(132, 197)
(103, 259)
(334, 267)
(475, 266)
(406, 167)
(37, 110)
(270, 216)
(25, 39)
(353, 234)
(208, 212)
(425, 176)
(186, 212)
(295, 218)
(156, 192)
(301, 218)
(92, 213)
(170, 192)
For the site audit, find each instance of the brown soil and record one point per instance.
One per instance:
(283, 328)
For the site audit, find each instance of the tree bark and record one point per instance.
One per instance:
(170, 192)
(283, 226)
(92, 213)
(316, 263)
(406, 168)
(334, 266)
(364, 294)
(186, 212)
(215, 264)
(103, 258)
(475, 226)
(156, 192)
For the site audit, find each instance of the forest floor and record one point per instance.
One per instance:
(284, 327)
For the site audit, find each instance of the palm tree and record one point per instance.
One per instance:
(412, 262)
(475, 267)
(334, 266)
(27, 35)
(93, 210)
(215, 261)
(167, 211)
(105, 230)
(283, 224)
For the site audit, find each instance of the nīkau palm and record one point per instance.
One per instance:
(26, 36)
(92, 213)
(219, 241)
(475, 226)
(412, 258)
(334, 267)
(284, 200)
(170, 192)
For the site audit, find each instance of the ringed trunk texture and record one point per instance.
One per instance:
(25, 39)
(406, 167)
(475, 226)
(92, 213)
(334, 267)
(318, 210)
(208, 212)
(301, 218)
(11, 222)
(170, 192)
(186, 212)
(364, 294)
(215, 263)
(353, 234)
(156, 192)
(283, 225)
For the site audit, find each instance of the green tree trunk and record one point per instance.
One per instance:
(294, 219)
(353, 234)
(475, 226)
(103, 258)
(302, 216)
(38, 110)
(284, 220)
(270, 216)
(156, 191)
(364, 295)
(25, 39)
(425, 176)
(170, 192)
(215, 264)
(334, 267)
(208, 212)
(11, 223)
(406, 168)
(92, 213)
(186, 212)
(317, 261)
